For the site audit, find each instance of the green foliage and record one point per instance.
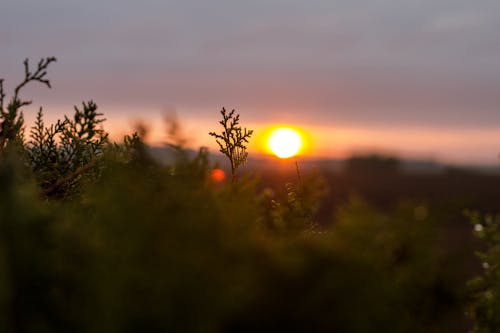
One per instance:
(147, 250)
(296, 211)
(485, 304)
(31, 287)
(232, 140)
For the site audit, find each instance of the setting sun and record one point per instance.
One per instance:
(285, 142)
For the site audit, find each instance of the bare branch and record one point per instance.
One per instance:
(38, 75)
(71, 176)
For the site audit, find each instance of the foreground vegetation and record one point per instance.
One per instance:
(97, 236)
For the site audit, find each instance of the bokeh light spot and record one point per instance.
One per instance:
(217, 175)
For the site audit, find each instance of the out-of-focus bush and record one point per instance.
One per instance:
(149, 249)
(31, 286)
(485, 301)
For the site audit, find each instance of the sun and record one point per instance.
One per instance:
(285, 142)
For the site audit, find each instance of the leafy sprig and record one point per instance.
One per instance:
(232, 140)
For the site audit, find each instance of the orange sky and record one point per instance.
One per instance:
(457, 146)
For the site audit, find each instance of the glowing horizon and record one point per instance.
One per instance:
(457, 146)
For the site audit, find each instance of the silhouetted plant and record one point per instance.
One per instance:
(61, 153)
(64, 154)
(175, 137)
(232, 140)
(11, 115)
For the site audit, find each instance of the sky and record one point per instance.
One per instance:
(417, 78)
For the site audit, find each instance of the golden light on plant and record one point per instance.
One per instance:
(285, 142)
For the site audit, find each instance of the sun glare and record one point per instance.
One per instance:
(285, 142)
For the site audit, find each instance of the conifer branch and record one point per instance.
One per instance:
(232, 140)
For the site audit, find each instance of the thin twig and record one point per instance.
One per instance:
(298, 171)
(38, 75)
